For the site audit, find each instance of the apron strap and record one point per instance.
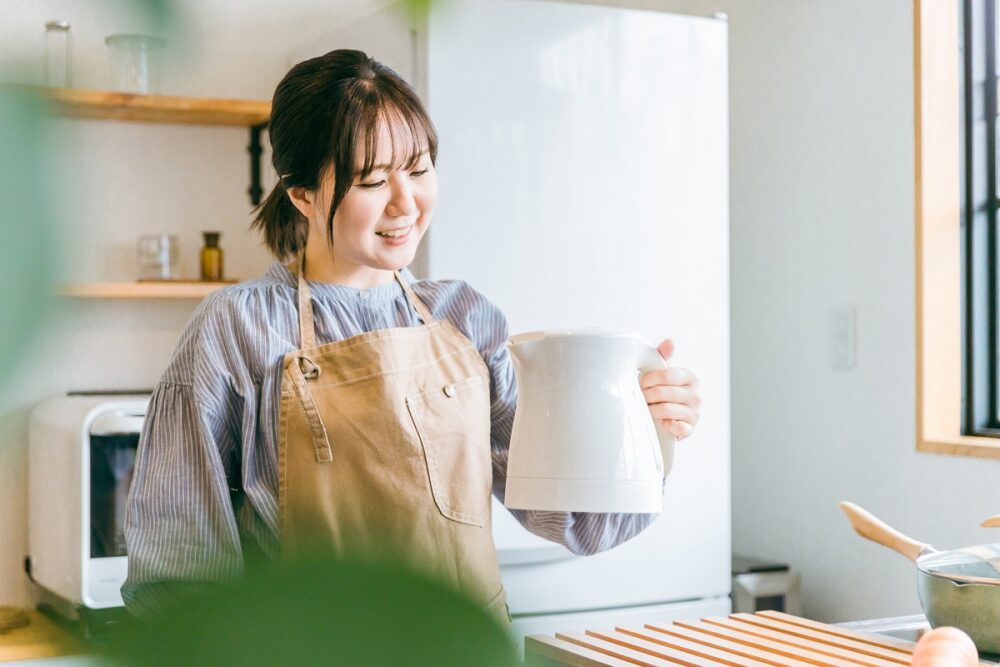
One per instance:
(306, 369)
(418, 305)
(320, 438)
(307, 328)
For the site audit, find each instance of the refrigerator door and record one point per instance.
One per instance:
(583, 172)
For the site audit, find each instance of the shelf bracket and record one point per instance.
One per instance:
(255, 150)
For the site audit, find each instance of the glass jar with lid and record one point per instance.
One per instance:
(58, 70)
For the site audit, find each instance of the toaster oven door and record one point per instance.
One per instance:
(112, 459)
(114, 438)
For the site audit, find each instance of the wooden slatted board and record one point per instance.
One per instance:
(764, 639)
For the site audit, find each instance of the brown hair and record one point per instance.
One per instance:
(322, 110)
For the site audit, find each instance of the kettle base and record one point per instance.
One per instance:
(585, 495)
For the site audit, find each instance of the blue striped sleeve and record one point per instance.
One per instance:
(179, 522)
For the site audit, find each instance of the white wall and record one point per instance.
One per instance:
(822, 214)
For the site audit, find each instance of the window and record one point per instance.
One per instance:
(942, 195)
(979, 218)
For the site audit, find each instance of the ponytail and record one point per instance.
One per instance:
(284, 228)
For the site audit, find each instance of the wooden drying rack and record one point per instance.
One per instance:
(764, 639)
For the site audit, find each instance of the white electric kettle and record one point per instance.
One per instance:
(583, 437)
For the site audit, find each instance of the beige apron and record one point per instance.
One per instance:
(384, 451)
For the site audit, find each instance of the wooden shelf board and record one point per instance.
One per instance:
(110, 105)
(137, 290)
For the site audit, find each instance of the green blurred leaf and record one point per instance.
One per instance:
(161, 16)
(320, 612)
(419, 9)
(27, 262)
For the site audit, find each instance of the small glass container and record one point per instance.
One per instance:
(135, 62)
(158, 257)
(211, 257)
(57, 54)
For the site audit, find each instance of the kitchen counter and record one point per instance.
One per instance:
(909, 628)
(41, 638)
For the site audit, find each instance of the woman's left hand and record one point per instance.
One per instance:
(672, 395)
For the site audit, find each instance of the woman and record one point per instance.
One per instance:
(349, 407)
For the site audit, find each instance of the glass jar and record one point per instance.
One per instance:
(211, 257)
(57, 54)
(158, 257)
(135, 62)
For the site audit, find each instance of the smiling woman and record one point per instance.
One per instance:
(349, 138)
(337, 403)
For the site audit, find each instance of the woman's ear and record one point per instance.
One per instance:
(304, 200)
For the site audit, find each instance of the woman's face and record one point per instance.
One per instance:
(384, 215)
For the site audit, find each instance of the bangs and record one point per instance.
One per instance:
(408, 140)
(404, 120)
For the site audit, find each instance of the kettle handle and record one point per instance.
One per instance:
(650, 359)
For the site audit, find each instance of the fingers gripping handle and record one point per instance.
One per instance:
(650, 359)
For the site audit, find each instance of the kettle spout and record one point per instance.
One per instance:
(519, 345)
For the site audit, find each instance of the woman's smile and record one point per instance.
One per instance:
(396, 236)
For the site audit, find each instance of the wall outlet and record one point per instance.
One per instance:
(843, 337)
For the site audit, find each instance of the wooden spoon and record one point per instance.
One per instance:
(868, 526)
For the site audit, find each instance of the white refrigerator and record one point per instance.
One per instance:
(583, 172)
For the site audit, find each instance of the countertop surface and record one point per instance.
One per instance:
(41, 638)
(910, 628)
(42, 643)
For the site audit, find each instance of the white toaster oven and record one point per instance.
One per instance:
(80, 458)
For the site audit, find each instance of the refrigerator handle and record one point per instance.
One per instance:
(533, 555)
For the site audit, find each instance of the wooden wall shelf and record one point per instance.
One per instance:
(163, 109)
(150, 290)
(110, 105)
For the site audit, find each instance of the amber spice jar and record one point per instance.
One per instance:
(211, 257)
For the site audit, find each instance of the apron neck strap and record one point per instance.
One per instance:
(307, 326)
(418, 305)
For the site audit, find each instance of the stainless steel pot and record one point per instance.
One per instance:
(960, 588)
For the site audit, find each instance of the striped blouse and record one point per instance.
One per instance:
(211, 429)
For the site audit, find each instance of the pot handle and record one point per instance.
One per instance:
(868, 526)
(650, 359)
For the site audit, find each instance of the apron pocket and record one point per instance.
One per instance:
(453, 423)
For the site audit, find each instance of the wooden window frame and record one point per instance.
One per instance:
(938, 233)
